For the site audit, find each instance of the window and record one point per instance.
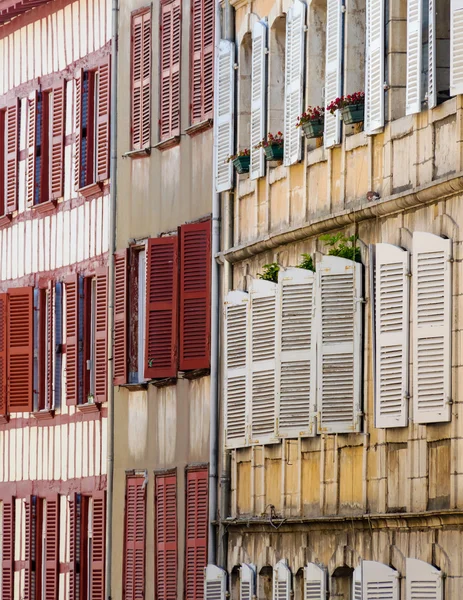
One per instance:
(196, 533)
(165, 511)
(9, 143)
(89, 109)
(202, 61)
(3, 142)
(141, 79)
(135, 538)
(170, 41)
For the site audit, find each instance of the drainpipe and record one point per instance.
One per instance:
(112, 249)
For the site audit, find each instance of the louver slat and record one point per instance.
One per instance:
(379, 581)
(3, 353)
(196, 533)
(102, 121)
(58, 107)
(258, 97)
(339, 296)
(456, 47)
(236, 376)
(72, 338)
(8, 537)
(12, 147)
(161, 353)
(166, 537)
(432, 325)
(281, 581)
(414, 56)
(315, 578)
(263, 361)
(135, 531)
(141, 80)
(215, 582)
(296, 370)
(333, 76)
(51, 547)
(224, 117)
(392, 336)
(20, 349)
(294, 80)
(195, 295)
(374, 68)
(120, 318)
(423, 581)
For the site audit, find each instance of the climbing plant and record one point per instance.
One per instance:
(340, 245)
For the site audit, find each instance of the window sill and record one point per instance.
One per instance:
(137, 153)
(160, 383)
(44, 415)
(88, 407)
(45, 207)
(169, 143)
(5, 220)
(134, 387)
(92, 189)
(198, 128)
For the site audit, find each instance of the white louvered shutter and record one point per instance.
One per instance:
(432, 328)
(414, 55)
(281, 581)
(333, 70)
(236, 367)
(374, 70)
(294, 80)
(357, 584)
(215, 583)
(456, 47)
(379, 581)
(224, 110)
(296, 371)
(258, 97)
(392, 336)
(247, 581)
(339, 349)
(432, 82)
(423, 581)
(315, 578)
(263, 360)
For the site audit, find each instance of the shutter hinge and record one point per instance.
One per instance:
(266, 51)
(236, 66)
(386, 86)
(451, 260)
(343, 8)
(408, 275)
(449, 401)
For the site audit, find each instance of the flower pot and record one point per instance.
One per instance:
(355, 113)
(241, 164)
(274, 152)
(314, 128)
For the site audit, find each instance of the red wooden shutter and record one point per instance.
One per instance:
(135, 532)
(78, 128)
(72, 547)
(102, 122)
(72, 338)
(8, 549)
(120, 318)
(98, 547)
(51, 547)
(141, 80)
(58, 107)
(195, 295)
(101, 335)
(202, 60)
(50, 349)
(31, 137)
(20, 349)
(12, 145)
(29, 540)
(162, 307)
(166, 537)
(170, 68)
(3, 353)
(196, 533)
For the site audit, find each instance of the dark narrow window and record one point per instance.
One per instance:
(87, 149)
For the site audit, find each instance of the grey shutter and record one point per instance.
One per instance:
(247, 581)
(315, 582)
(215, 583)
(432, 82)
(224, 111)
(374, 68)
(258, 97)
(339, 322)
(333, 70)
(456, 47)
(379, 581)
(414, 56)
(423, 581)
(357, 584)
(281, 581)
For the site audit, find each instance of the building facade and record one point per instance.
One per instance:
(341, 377)
(54, 189)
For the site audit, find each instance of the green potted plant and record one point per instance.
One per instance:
(273, 146)
(270, 272)
(240, 161)
(312, 122)
(352, 107)
(340, 245)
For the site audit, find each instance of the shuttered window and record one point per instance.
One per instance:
(414, 55)
(8, 539)
(258, 97)
(11, 157)
(141, 79)
(97, 560)
(379, 580)
(161, 354)
(3, 141)
(72, 339)
(263, 360)
(75, 522)
(456, 47)
(3, 353)
(215, 583)
(51, 547)
(294, 80)
(423, 581)
(30, 547)
(120, 318)
(333, 70)
(357, 584)
(44, 347)
(166, 537)
(339, 373)
(195, 295)
(315, 582)
(237, 367)
(20, 349)
(56, 171)
(296, 369)
(170, 41)
(58, 345)
(432, 328)
(101, 334)
(135, 539)
(202, 60)
(281, 581)
(247, 581)
(392, 336)
(196, 533)
(225, 116)
(374, 68)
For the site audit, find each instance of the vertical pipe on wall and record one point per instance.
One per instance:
(112, 249)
